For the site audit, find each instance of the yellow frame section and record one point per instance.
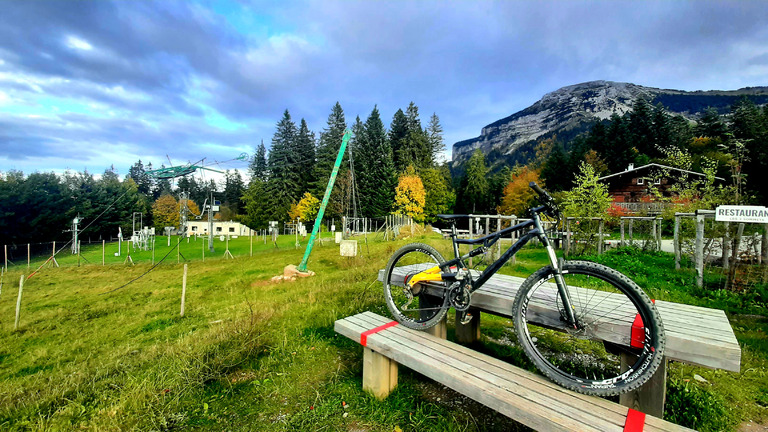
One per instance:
(429, 275)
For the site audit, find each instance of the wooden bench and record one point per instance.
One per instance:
(526, 397)
(694, 335)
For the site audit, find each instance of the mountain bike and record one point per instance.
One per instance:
(574, 319)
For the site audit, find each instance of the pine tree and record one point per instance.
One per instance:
(662, 132)
(555, 173)
(435, 139)
(328, 149)
(374, 169)
(398, 135)
(258, 166)
(283, 186)
(710, 125)
(257, 211)
(161, 187)
(474, 190)
(354, 152)
(620, 150)
(416, 148)
(141, 178)
(305, 149)
(641, 127)
(234, 187)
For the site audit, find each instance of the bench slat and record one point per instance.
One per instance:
(526, 397)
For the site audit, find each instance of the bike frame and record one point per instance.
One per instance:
(490, 240)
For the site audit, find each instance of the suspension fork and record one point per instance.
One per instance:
(559, 281)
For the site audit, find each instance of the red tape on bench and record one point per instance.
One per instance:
(635, 421)
(637, 335)
(364, 335)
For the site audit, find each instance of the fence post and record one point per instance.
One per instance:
(498, 243)
(18, 303)
(28, 255)
(676, 242)
(5, 249)
(659, 232)
(764, 246)
(622, 231)
(631, 225)
(471, 226)
(251, 237)
(600, 237)
(699, 250)
(764, 252)
(183, 289)
(567, 245)
(103, 251)
(53, 256)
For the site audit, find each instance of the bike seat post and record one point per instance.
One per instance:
(454, 236)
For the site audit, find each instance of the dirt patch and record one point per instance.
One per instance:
(751, 426)
(241, 376)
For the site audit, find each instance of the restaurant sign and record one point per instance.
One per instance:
(741, 213)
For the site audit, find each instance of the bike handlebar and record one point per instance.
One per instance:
(545, 199)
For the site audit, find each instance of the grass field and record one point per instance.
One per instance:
(254, 355)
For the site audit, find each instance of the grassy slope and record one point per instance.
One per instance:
(252, 355)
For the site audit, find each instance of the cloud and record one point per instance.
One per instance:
(144, 79)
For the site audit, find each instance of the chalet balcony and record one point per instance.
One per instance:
(650, 208)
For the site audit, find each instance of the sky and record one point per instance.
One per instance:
(86, 85)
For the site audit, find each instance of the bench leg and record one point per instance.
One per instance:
(469, 333)
(651, 396)
(379, 373)
(440, 330)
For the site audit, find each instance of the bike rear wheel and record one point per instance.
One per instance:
(614, 317)
(424, 305)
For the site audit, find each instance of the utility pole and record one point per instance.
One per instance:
(347, 134)
(183, 211)
(210, 223)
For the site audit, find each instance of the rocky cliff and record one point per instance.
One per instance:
(574, 109)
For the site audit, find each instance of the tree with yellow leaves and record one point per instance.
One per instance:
(410, 195)
(518, 196)
(306, 209)
(165, 212)
(191, 206)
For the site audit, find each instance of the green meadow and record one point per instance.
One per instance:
(92, 353)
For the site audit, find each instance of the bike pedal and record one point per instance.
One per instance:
(466, 319)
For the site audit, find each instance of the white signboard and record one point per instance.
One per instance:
(741, 213)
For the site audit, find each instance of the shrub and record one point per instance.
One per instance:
(695, 407)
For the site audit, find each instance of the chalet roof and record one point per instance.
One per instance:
(632, 169)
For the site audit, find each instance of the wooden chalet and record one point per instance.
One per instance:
(630, 189)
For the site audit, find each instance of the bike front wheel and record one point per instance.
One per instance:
(615, 321)
(423, 305)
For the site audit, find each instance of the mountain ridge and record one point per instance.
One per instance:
(571, 110)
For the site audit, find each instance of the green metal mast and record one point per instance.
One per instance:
(303, 266)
